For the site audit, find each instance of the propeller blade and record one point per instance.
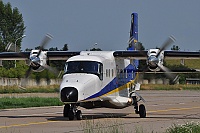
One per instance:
(53, 70)
(168, 42)
(167, 72)
(28, 72)
(25, 79)
(44, 42)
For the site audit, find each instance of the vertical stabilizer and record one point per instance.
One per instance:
(133, 31)
(133, 38)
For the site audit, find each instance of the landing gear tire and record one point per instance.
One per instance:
(79, 115)
(71, 111)
(142, 111)
(66, 110)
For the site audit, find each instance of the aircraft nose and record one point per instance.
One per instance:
(69, 94)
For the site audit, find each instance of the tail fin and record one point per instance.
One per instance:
(133, 32)
(134, 37)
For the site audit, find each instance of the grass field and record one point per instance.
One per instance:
(169, 87)
(191, 63)
(12, 102)
(190, 127)
(23, 102)
(55, 89)
(37, 89)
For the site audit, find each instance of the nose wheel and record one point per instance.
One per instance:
(71, 111)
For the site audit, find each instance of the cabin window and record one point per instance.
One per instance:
(112, 73)
(106, 72)
(90, 67)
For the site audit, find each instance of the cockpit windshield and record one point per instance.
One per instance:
(91, 67)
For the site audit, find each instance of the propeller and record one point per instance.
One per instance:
(35, 60)
(155, 59)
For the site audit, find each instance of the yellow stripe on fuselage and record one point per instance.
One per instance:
(127, 85)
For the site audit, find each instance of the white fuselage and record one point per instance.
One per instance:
(95, 79)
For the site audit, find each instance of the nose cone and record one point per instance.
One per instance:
(69, 94)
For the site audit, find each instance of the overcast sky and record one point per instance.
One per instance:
(82, 23)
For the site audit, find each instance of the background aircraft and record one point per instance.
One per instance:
(95, 79)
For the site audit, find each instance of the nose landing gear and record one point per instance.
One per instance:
(142, 109)
(71, 111)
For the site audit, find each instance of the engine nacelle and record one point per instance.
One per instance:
(38, 61)
(154, 60)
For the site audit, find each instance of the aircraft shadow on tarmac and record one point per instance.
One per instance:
(87, 116)
(91, 116)
(169, 116)
(127, 116)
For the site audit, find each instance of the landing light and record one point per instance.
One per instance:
(130, 101)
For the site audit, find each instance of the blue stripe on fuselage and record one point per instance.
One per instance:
(114, 84)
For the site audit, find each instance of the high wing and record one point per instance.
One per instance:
(181, 55)
(64, 55)
(14, 56)
(154, 59)
(51, 55)
(142, 55)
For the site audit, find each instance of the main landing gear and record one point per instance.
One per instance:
(141, 111)
(71, 111)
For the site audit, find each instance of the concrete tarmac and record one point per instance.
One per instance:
(164, 108)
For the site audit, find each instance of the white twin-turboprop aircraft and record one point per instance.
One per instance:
(95, 79)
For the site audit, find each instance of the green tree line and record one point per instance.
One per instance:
(12, 29)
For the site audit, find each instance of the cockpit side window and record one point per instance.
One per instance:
(91, 67)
